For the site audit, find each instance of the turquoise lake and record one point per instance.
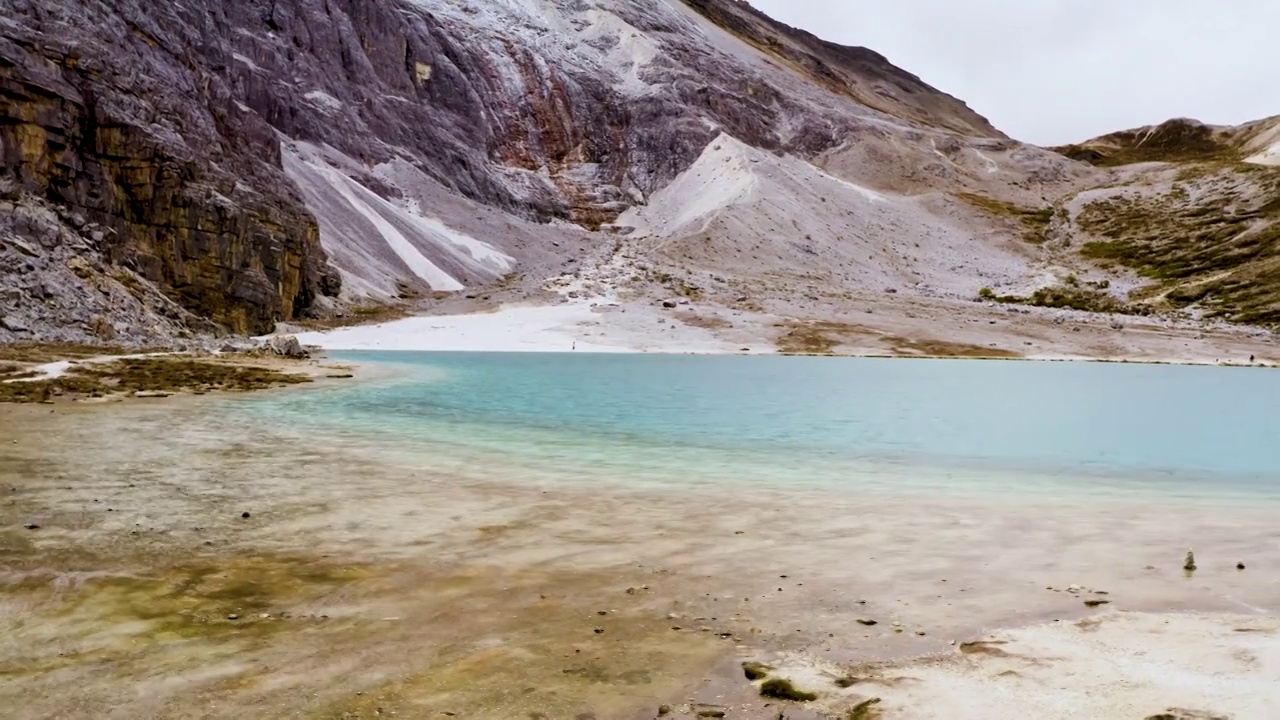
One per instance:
(866, 425)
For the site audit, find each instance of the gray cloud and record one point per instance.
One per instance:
(1059, 71)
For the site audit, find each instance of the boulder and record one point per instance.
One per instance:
(287, 346)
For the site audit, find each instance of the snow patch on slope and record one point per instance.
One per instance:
(379, 245)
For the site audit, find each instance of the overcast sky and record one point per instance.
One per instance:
(1059, 71)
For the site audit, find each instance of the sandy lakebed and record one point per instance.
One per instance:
(178, 558)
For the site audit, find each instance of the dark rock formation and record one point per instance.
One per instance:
(114, 120)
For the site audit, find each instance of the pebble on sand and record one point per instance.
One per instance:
(1190, 563)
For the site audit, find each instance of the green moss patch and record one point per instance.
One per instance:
(1173, 141)
(151, 375)
(783, 689)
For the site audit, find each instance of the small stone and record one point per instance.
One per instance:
(921, 633)
(867, 621)
(783, 689)
(599, 631)
(233, 616)
(602, 612)
(864, 708)
(1190, 563)
(1239, 566)
(287, 346)
(31, 526)
(1096, 603)
(631, 591)
(664, 709)
(244, 515)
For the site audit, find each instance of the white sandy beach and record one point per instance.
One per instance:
(568, 327)
(886, 328)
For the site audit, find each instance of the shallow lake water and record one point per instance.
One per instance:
(454, 525)
(1175, 433)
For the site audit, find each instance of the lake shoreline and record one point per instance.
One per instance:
(620, 328)
(361, 582)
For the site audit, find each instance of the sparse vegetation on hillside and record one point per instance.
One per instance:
(822, 338)
(1071, 297)
(1035, 221)
(1173, 141)
(1218, 246)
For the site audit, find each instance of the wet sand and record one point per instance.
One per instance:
(363, 584)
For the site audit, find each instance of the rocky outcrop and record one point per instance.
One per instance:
(860, 73)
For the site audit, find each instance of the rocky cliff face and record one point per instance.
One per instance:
(114, 125)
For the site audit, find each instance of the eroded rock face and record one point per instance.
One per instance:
(118, 123)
